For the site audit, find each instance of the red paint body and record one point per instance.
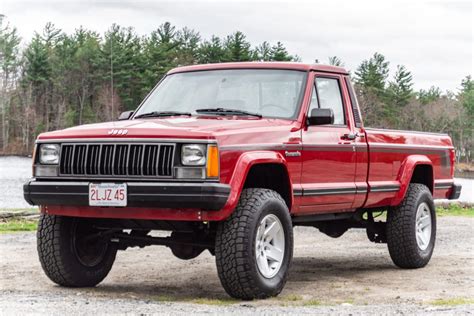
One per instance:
(380, 159)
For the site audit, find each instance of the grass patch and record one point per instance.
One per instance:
(292, 298)
(214, 301)
(452, 301)
(455, 209)
(312, 303)
(17, 225)
(201, 301)
(20, 210)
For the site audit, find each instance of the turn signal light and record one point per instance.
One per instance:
(212, 161)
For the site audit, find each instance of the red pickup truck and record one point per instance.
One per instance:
(229, 158)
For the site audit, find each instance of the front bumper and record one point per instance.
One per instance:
(207, 196)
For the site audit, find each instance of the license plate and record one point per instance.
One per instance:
(107, 194)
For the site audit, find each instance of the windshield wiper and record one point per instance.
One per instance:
(164, 113)
(222, 111)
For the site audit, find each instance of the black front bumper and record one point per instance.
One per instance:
(209, 196)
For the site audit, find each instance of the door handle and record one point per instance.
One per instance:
(351, 136)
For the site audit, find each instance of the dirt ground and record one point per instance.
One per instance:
(348, 275)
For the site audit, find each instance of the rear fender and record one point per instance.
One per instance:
(406, 172)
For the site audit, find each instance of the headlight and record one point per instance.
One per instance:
(49, 154)
(193, 155)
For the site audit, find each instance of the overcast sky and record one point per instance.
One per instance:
(433, 39)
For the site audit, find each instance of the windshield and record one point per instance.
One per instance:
(268, 92)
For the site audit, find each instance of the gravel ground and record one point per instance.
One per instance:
(348, 275)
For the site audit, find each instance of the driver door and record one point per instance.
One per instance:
(329, 157)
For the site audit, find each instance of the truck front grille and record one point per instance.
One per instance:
(117, 160)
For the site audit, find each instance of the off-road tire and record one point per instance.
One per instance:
(401, 229)
(235, 246)
(59, 259)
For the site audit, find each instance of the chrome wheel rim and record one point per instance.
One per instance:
(270, 246)
(423, 226)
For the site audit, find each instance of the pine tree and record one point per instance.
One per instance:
(279, 53)
(466, 97)
(188, 46)
(9, 63)
(211, 51)
(264, 52)
(400, 90)
(237, 48)
(428, 96)
(373, 73)
(335, 61)
(159, 52)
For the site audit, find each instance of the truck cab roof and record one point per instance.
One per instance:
(262, 65)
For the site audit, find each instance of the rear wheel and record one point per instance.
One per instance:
(71, 251)
(411, 228)
(254, 246)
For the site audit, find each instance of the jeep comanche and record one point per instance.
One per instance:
(229, 158)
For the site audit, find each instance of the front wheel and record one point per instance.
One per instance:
(411, 228)
(254, 246)
(71, 251)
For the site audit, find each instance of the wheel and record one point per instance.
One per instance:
(254, 246)
(411, 228)
(70, 253)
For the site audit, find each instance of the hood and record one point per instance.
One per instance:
(173, 127)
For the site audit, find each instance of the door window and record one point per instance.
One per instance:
(328, 96)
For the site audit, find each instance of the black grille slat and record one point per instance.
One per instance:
(149, 160)
(135, 160)
(105, 160)
(166, 158)
(79, 159)
(91, 161)
(120, 158)
(65, 162)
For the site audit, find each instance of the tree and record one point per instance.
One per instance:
(159, 52)
(211, 51)
(336, 61)
(9, 63)
(400, 90)
(430, 95)
(373, 73)
(263, 52)
(187, 51)
(467, 96)
(237, 48)
(123, 67)
(466, 133)
(86, 63)
(279, 53)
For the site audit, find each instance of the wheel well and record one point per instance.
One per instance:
(270, 176)
(423, 174)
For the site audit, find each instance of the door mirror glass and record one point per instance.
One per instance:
(125, 115)
(321, 117)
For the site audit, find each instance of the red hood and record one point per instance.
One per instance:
(176, 127)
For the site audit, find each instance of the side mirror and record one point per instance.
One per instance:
(125, 115)
(321, 117)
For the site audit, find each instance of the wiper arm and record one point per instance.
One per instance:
(164, 113)
(222, 111)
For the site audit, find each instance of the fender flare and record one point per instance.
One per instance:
(245, 162)
(406, 172)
